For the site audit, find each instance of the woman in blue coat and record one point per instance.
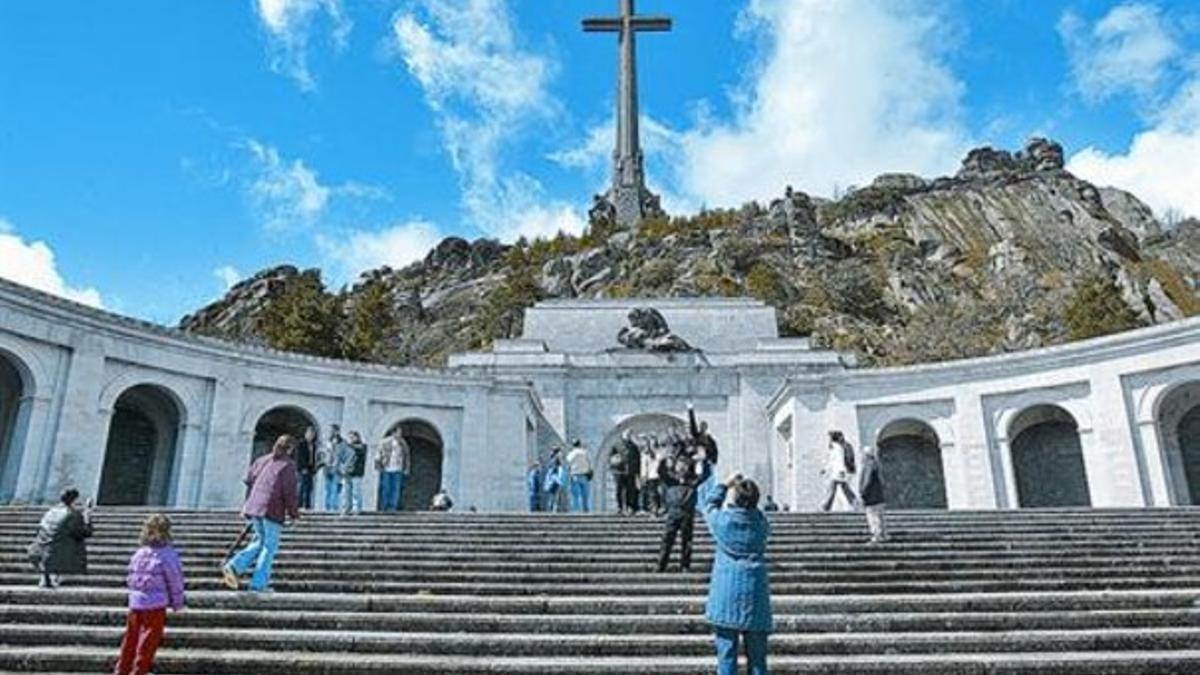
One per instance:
(739, 593)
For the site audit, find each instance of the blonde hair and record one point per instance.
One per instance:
(156, 531)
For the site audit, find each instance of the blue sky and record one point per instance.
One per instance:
(153, 152)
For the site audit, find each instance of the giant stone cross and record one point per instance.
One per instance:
(628, 201)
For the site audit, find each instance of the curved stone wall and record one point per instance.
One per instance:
(75, 366)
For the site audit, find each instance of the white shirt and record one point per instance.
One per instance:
(835, 466)
(577, 462)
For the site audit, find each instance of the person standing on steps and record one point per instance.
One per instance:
(155, 583)
(533, 486)
(739, 590)
(700, 435)
(838, 471)
(554, 480)
(306, 465)
(651, 464)
(327, 464)
(682, 479)
(618, 470)
(272, 500)
(870, 491)
(352, 466)
(579, 467)
(60, 545)
(394, 461)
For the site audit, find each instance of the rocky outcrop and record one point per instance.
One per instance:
(903, 270)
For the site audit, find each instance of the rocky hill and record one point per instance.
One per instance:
(1012, 252)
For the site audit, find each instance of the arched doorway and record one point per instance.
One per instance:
(658, 425)
(1047, 459)
(277, 422)
(425, 470)
(139, 457)
(1178, 420)
(911, 458)
(13, 402)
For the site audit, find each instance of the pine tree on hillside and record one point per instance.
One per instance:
(371, 319)
(1097, 309)
(304, 318)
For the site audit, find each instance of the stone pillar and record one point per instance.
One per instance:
(191, 447)
(217, 481)
(1116, 477)
(77, 455)
(33, 436)
(973, 485)
(1157, 474)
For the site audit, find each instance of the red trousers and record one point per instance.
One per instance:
(143, 633)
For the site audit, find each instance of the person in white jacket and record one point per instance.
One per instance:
(579, 466)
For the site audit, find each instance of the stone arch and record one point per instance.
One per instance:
(1047, 458)
(276, 421)
(16, 396)
(1177, 419)
(144, 433)
(911, 457)
(604, 488)
(428, 450)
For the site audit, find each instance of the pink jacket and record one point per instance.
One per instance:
(155, 579)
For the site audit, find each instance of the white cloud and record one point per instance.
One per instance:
(844, 91)
(290, 24)
(1129, 49)
(289, 195)
(228, 276)
(32, 263)
(1162, 164)
(485, 90)
(359, 250)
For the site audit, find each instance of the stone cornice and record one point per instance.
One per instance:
(72, 314)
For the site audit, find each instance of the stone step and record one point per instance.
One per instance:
(861, 622)
(645, 644)
(642, 604)
(687, 586)
(220, 662)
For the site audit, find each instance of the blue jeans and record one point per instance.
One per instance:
(581, 494)
(333, 491)
(391, 490)
(727, 651)
(259, 555)
(352, 494)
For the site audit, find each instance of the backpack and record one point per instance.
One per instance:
(848, 453)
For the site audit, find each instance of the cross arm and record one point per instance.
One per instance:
(650, 24)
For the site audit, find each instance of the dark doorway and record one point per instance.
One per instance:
(1188, 436)
(1047, 459)
(140, 454)
(425, 472)
(911, 459)
(277, 422)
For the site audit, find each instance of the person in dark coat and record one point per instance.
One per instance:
(306, 466)
(871, 494)
(60, 546)
(739, 590)
(701, 437)
(682, 481)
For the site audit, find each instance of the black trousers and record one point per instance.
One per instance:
(627, 493)
(651, 499)
(678, 525)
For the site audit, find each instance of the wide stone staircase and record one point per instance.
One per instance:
(1076, 591)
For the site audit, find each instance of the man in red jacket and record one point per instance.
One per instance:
(272, 500)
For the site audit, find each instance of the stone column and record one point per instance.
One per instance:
(33, 442)
(77, 455)
(974, 484)
(1114, 468)
(218, 477)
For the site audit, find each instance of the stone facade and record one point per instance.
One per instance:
(144, 414)
(75, 370)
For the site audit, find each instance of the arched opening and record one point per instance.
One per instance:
(1178, 420)
(13, 413)
(277, 422)
(425, 470)
(910, 456)
(139, 457)
(651, 425)
(1047, 459)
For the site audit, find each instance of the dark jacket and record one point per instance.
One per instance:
(305, 456)
(273, 490)
(679, 497)
(870, 481)
(704, 440)
(59, 546)
(633, 457)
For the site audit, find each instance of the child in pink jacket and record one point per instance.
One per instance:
(155, 583)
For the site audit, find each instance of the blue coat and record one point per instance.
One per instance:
(739, 593)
